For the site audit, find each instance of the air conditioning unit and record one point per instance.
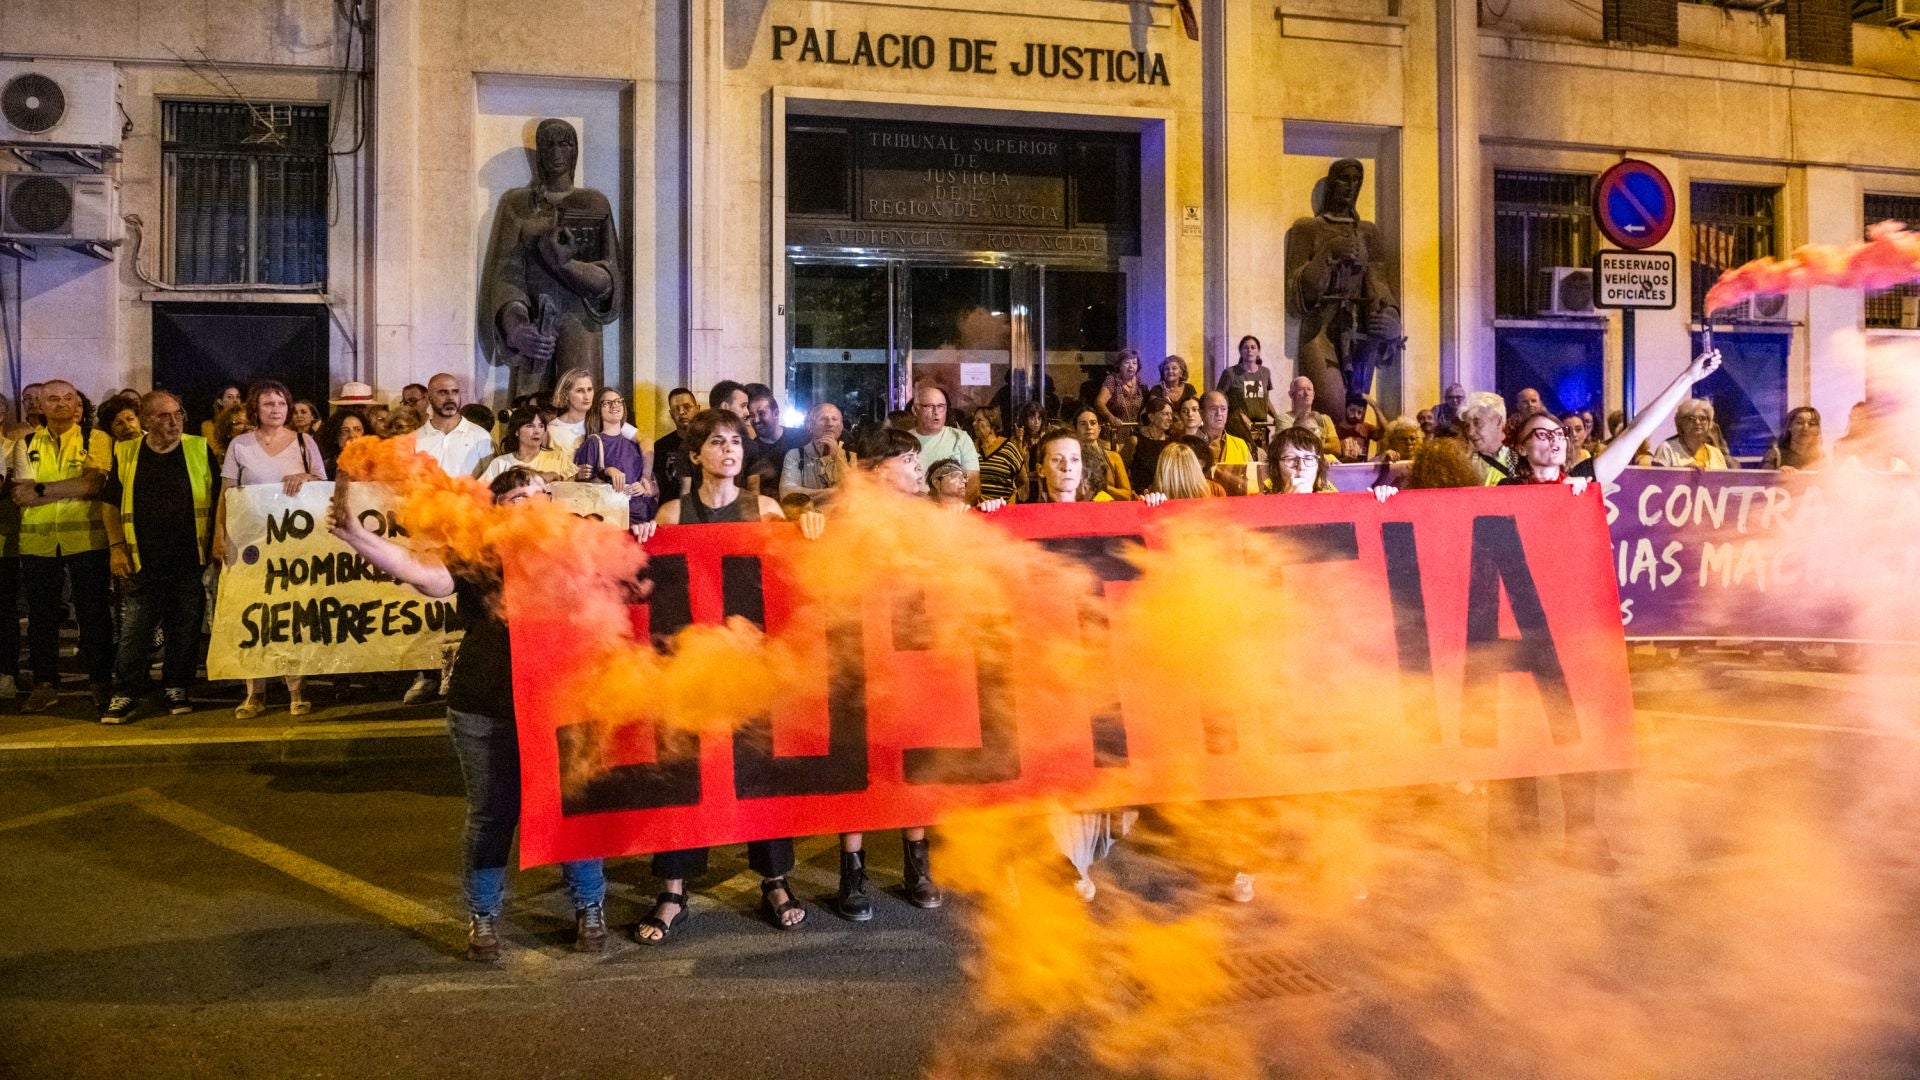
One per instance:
(1763, 308)
(59, 104)
(1903, 12)
(1566, 290)
(44, 209)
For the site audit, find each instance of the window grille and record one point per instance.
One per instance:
(1885, 307)
(1540, 220)
(1732, 224)
(247, 192)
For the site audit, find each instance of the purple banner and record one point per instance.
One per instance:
(1826, 556)
(1829, 556)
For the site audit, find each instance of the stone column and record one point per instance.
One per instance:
(1466, 340)
(1828, 348)
(394, 144)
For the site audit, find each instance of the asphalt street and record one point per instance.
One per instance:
(301, 920)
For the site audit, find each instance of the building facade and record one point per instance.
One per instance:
(842, 198)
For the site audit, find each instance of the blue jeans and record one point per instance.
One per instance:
(489, 751)
(171, 600)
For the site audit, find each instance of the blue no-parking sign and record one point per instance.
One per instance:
(1633, 204)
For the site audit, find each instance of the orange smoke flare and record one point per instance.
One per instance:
(1890, 256)
(456, 515)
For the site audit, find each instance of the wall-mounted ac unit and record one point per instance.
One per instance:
(59, 104)
(1566, 290)
(1903, 12)
(42, 209)
(1764, 308)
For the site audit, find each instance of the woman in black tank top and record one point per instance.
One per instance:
(716, 445)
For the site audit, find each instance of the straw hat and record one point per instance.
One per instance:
(354, 393)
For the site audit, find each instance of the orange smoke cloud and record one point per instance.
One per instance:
(1890, 256)
(1750, 915)
(590, 565)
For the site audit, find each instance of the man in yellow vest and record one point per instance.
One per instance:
(9, 571)
(57, 470)
(159, 500)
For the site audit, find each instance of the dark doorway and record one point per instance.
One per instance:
(200, 347)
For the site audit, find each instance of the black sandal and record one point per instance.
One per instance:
(774, 913)
(664, 926)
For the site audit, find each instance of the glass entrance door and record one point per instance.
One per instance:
(840, 327)
(1083, 327)
(963, 335)
(862, 335)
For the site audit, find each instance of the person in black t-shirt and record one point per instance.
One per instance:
(480, 719)
(767, 450)
(159, 500)
(670, 462)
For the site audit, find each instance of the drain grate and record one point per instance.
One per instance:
(1265, 976)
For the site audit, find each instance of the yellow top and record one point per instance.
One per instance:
(64, 526)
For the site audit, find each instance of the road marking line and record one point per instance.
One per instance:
(747, 883)
(401, 729)
(1796, 725)
(595, 973)
(71, 810)
(408, 914)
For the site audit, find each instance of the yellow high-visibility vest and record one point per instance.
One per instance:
(64, 526)
(199, 475)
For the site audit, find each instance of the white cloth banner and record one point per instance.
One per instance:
(297, 601)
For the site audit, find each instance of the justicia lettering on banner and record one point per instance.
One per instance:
(1484, 625)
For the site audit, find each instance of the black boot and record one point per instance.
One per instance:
(853, 903)
(917, 870)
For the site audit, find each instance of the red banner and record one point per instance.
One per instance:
(1442, 636)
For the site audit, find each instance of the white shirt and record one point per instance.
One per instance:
(1672, 454)
(461, 451)
(566, 435)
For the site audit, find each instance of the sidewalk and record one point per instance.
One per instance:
(369, 725)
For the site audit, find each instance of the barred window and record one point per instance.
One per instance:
(1732, 224)
(246, 188)
(1898, 306)
(1540, 220)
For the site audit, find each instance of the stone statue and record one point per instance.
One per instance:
(1337, 287)
(553, 267)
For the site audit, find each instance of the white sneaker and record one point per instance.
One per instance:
(1242, 890)
(8, 690)
(422, 689)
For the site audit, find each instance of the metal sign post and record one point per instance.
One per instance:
(1633, 205)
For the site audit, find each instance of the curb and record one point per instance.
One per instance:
(88, 745)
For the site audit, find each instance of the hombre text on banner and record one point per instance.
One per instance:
(296, 601)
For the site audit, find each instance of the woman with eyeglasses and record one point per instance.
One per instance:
(717, 444)
(1540, 457)
(608, 455)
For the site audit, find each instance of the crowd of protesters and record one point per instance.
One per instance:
(116, 511)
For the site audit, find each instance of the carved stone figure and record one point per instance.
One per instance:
(553, 267)
(1337, 287)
